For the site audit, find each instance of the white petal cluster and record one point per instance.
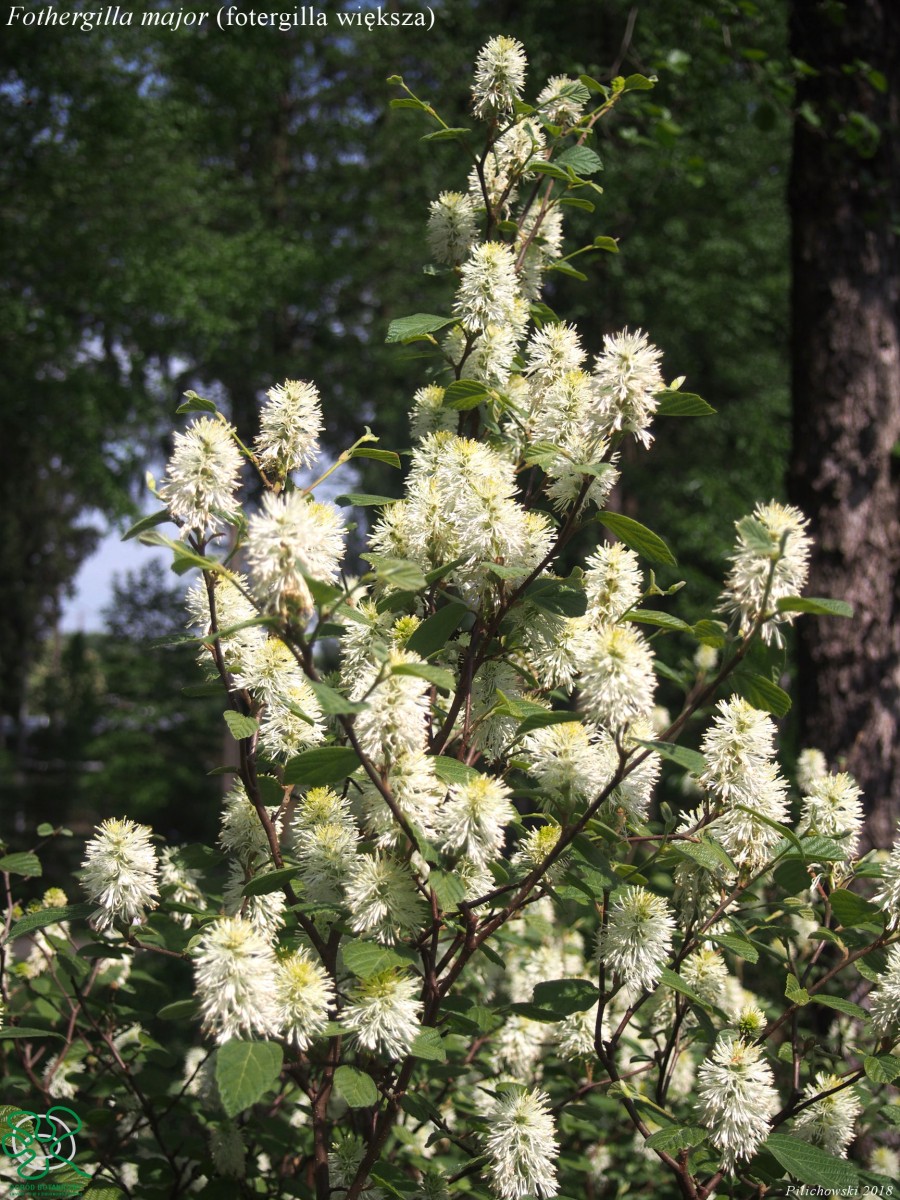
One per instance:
(517, 1047)
(383, 1013)
(521, 1146)
(737, 1098)
(884, 999)
(758, 547)
(828, 1122)
(617, 680)
(417, 791)
(833, 807)
(428, 414)
(395, 721)
(181, 884)
(540, 243)
(499, 77)
(293, 537)
(232, 608)
(560, 101)
(451, 227)
(811, 766)
(705, 973)
(264, 913)
(889, 895)
(534, 847)
(242, 834)
(289, 427)
(509, 160)
(202, 476)
(627, 379)
(304, 995)
(613, 582)
(120, 872)
(325, 842)
(235, 975)
(488, 287)
(382, 898)
(472, 820)
(637, 938)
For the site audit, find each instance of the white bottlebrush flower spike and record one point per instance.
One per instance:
(289, 427)
(304, 995)
(202, 476)
(811, 766)
(561, 101)
(395, 721)
(499, 76)
(451, 227)
(828, 1122)
(627, 379)
(737, 1097)
(242, 833)
(290, 538)
(617, 681)
(120, 872)
(473, 819)
(759, 547)
(613, 582)
(383, 1013)
(889, 894)
(382, 898)
(235, 980)
(833, 807)
(521, 1146)
(488, 287)
(637, 938)
(884, 999)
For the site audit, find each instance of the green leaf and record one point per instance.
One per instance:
(21, 1031)
(565, 996)
(664, 620)
(542, 719)
(464, 394)
(555, 596)
(446, 135)
(45, 829)
(791, 875)
(195, 403)
(585, 206)
(448, 888)
(682, 404)
(794, 992)
(839, 1004)
(363, 500)
(676, 1138)
(434, 632)
(711, 633)
(740, 946)
(179, 1010)
(638, 83)
(269, 881)
(609, 244)
(852, 910)
(407, 328)
(323, 765)
(706, 854)
(357, 1088)
(391, 457)
(762, 693)
(332, 702)
(691, 760)
(365, 959)
(240, 726)
(549, 169)
(23, 863)
(564, 269)
(809, 1164)
(245, 1071)
(813, 604)
(581, 159)
(429, 1045)
(49, 916)
(397, 572)
(439, 676)
(451, 771)
(638, 537)
(883, 1068)
(149, 522)
(677, 984)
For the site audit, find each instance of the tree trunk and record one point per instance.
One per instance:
(845, 473)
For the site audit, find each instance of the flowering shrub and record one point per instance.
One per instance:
(449, 943)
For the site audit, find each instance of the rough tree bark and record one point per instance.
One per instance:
(845, 473)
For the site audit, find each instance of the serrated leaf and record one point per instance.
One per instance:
(245, 1071)
(682, 404)
(363, 500)
(332, 702)
(706, 854)
(435, 631)
(449, 889)
(581, 159)
(563, 997)
(839, 1004)
(555, 596)
(49, 916)
(406, 328)
(240, 725)
(268, 881)
(852, 910)
(638, 83)
(809, 1164)
(398, 572)
(22, 863)
(675, 1138)
(638, 537)
(550, 170)
(544, 719)
(736, 944)
(195, 403)
(149, 522)
(763, 694)
(451, 771)
(691, 760)
(357, 1088)
(820, 606)
(882, 1068)
(440, 677)
(663, 620)
(323, 765)
(365, 959)
(464, 394)
(794, 992)
(429, 1045)
(677, 984)
(179, 1010)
